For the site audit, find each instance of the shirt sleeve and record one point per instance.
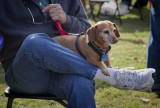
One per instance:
(77, 20)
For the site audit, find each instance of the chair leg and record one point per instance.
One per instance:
(91, 10)
(100, 5)
(9, 103)
(117, 10)
(140, 11)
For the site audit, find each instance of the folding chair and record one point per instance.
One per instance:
(13, 95)
(92, 2)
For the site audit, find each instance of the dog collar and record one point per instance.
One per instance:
(102, 52)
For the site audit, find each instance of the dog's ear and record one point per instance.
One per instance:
(92, 33)
(116, 32)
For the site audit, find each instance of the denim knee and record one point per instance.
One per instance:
(35, 40)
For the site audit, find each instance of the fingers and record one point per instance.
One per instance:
(49, 7)
(56, 12)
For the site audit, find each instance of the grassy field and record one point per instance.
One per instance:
(130, 51)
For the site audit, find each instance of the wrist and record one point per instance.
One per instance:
(64, 19)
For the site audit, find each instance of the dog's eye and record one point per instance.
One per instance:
(106, 31)
(115, 30)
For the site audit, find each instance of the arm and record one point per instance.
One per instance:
(73, 19)
(77, 21)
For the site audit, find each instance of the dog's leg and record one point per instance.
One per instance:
(104, 69)
(107, 63)
(99, 64)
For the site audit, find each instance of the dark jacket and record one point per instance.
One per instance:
(16, 23)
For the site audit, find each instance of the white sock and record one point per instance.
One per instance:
(109, 79)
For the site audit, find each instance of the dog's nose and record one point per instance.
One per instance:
(115, 40)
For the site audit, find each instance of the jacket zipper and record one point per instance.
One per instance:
(52, 1)
(45, 20)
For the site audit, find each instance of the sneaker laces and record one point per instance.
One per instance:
(128, 77)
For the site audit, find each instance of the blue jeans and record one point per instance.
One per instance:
(127, 2)
(71, 80)
(153, 56)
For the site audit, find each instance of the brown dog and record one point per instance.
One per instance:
(99, 36)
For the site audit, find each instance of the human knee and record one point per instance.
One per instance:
(34, 40)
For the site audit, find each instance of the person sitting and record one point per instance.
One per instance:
(30, 53)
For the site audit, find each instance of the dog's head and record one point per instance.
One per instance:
(103, 32)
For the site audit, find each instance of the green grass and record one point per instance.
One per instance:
(130, 51)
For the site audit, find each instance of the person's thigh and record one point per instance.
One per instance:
(24, 76)
(46, 53)
(30, 70)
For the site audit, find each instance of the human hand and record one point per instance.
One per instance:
(56, 12)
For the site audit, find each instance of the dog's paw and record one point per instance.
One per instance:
(106, 73)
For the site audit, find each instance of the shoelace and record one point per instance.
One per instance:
(128, 78)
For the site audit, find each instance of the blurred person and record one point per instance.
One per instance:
(153, 56)
(109, 8)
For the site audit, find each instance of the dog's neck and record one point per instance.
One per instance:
(93, 45)
(98, 44)
(100, 51)
(97, 48)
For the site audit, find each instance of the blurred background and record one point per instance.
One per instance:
(132, 21)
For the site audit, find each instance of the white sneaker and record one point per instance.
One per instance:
(109, 8)
(139, 80)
